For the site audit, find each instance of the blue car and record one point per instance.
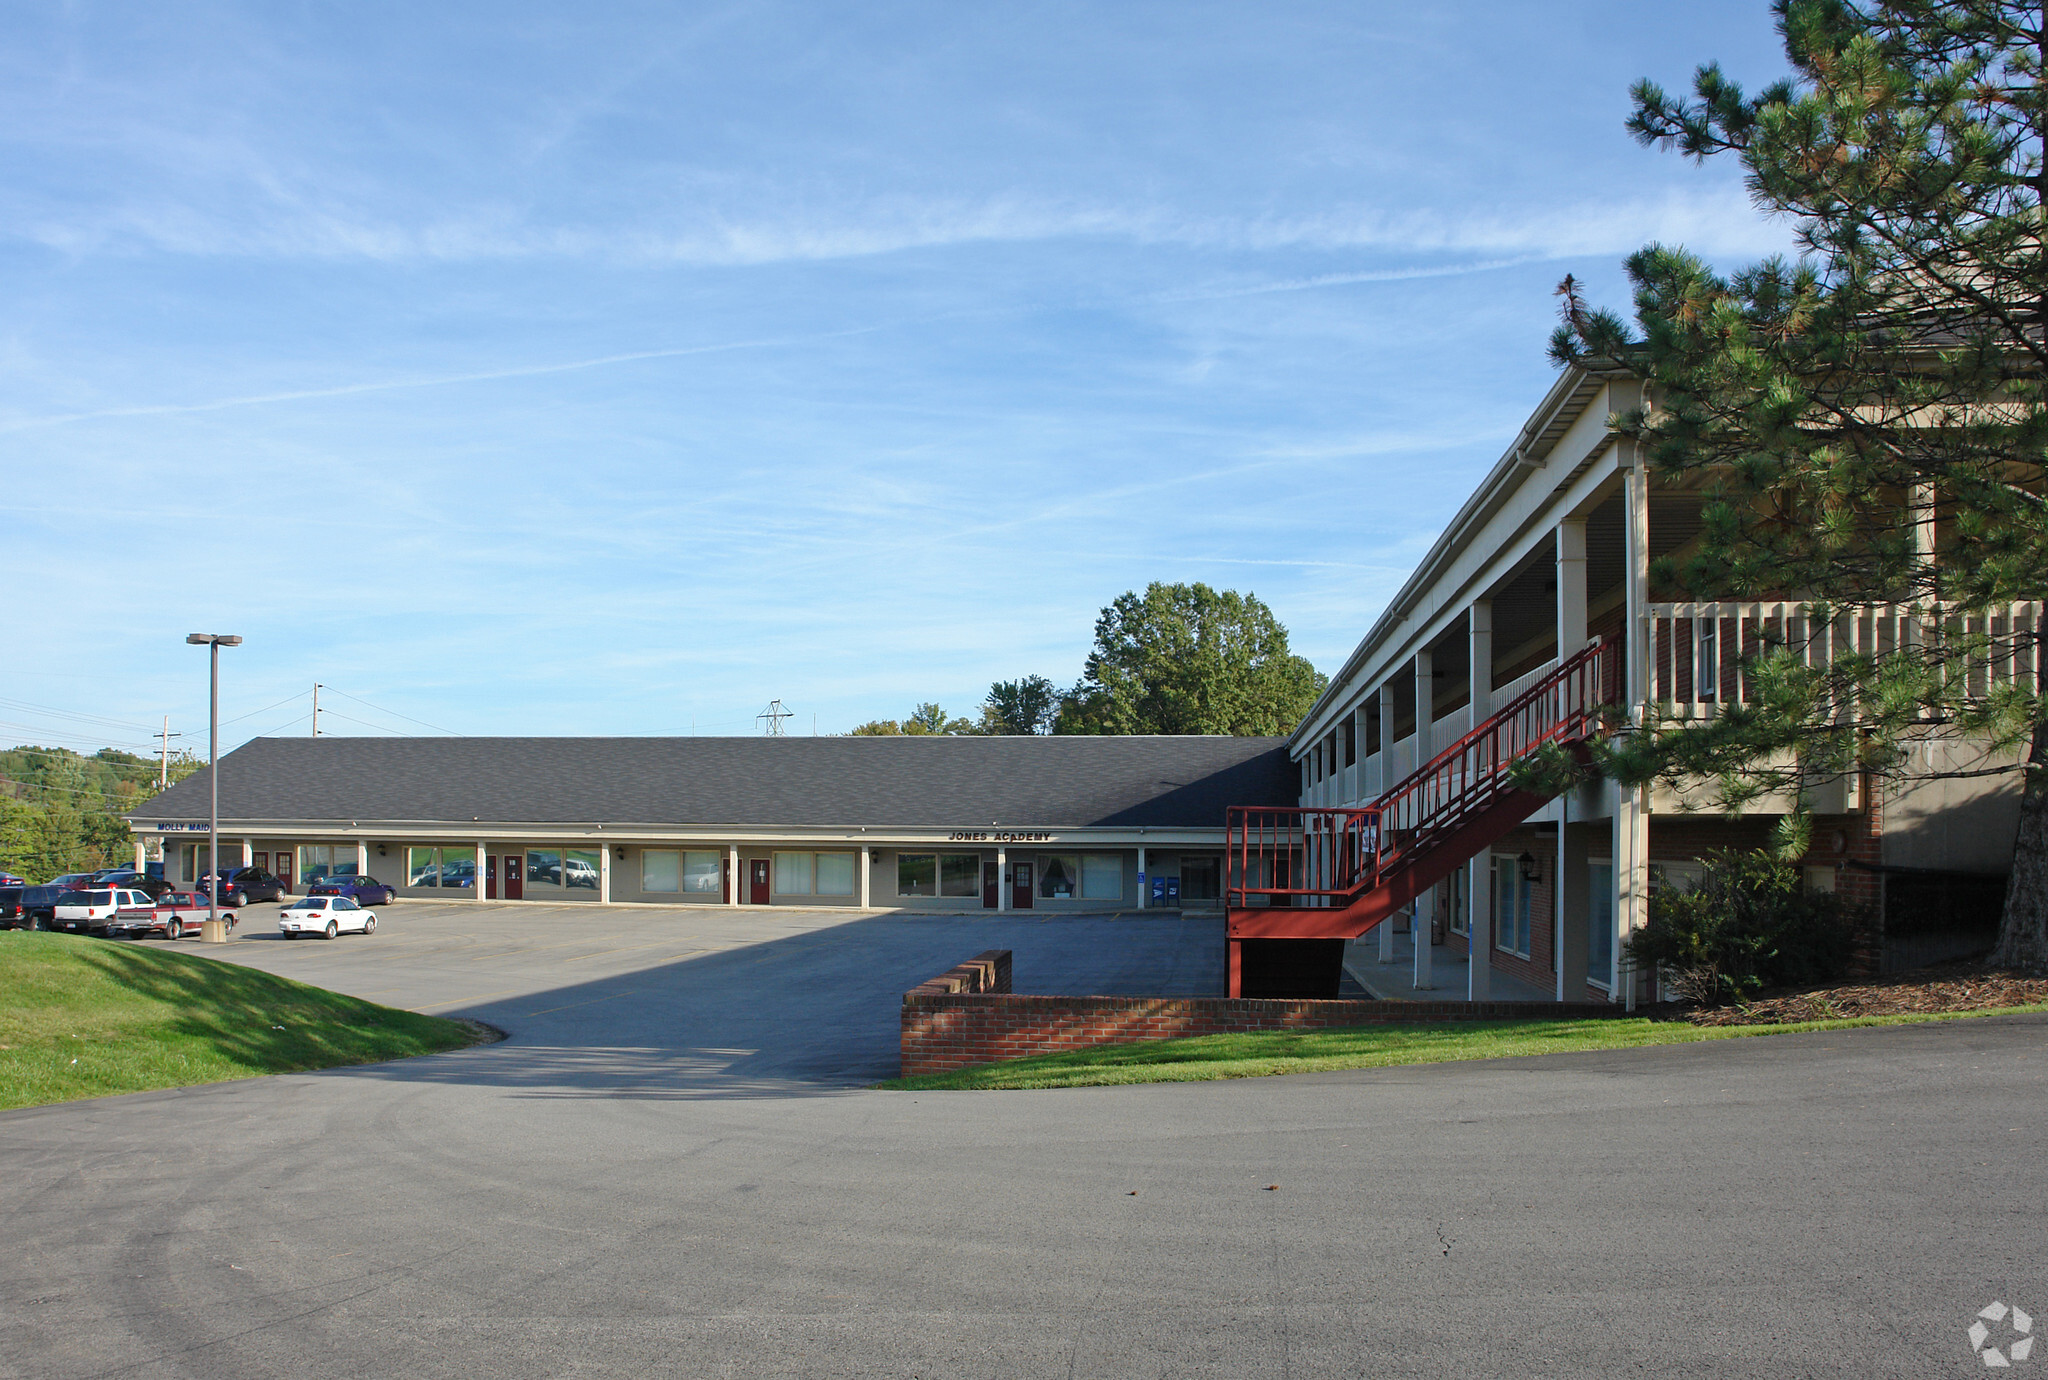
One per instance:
(364, 891)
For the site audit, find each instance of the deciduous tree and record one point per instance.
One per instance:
(1184, 658)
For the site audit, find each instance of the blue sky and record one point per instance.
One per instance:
(616, 369)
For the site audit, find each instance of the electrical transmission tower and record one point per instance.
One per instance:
(771, 719)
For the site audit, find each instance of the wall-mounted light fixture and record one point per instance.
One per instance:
(1530, 871)
(380, 850)
(621, 852)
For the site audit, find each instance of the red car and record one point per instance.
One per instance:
(175, 915)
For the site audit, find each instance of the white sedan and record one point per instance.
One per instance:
(325, 916)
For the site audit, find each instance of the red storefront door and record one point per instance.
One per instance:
(490, 876)
(757, 882)
(515, 876)
(1020, 894)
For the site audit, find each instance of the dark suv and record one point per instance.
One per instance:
(243, 885)
(30, 907)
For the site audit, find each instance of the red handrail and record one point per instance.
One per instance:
(1341, 851)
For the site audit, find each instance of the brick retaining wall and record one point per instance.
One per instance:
(951, 1021)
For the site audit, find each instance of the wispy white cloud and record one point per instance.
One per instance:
(278, 221)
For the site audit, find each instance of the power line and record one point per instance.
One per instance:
(337, 714)
(43, 732)
(70, 714)
(392, 712)
(69, 790)
(264, 710)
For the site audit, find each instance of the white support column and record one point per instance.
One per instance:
(867, 877)
(362, 858)
(1361, 789)
(604, 873)
(1421, 919)
(248, 851)
(1631, 880)
(1390, 772)
(1632, 806)
(140, 861)
(1478, 872)
(1571, 586)
(476, 882)
(732, 867)
(1002, 879)
(1144, 886)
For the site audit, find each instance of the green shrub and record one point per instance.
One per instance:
(1747, 926)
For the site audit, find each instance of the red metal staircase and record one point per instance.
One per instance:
(1330, 874)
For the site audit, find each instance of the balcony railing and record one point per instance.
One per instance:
(1697, 651)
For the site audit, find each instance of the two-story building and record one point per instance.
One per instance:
(1553, 550)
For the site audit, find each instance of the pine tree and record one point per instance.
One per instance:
(1872, 416)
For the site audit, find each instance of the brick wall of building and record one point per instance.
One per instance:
(947, 1027)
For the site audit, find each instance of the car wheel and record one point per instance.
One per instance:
(370, 925)
(176, 929)
(238, 899)
(332, 929)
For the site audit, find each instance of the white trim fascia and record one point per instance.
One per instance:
(1449, 576)
(515, 831)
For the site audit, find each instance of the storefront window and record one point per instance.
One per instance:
(703, 872)
(917, 874)
(458, 867)
(661, 870)
(422, 866)
(1059, 876)
(1201, 879)
(835, 874)
(544, 866)
(960, 874)
(1102, 876)
(793, 874)
(580, 868)
(317, 860)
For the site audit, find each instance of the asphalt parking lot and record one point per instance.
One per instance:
(693, 996)
(668, 1169)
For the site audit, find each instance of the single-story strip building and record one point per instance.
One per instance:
(912, 823)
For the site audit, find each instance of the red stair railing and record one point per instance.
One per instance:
(1305, 857)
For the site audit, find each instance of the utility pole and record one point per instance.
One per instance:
(163, 766)
(316, 709)
(774, 714)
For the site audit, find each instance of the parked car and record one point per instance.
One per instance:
(364, 891)
(92, 911)
(13, 914)
(134, 881)
(174, 915)
(9, 879)
(243, 885)
(72, 881)
(326, 916)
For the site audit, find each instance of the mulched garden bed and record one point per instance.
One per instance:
(1968, 986)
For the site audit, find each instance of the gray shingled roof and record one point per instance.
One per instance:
(760, 782)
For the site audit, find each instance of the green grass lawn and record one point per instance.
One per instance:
(1259, 1054)
(88, 1017)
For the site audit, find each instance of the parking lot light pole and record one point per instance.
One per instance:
(212, 931)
